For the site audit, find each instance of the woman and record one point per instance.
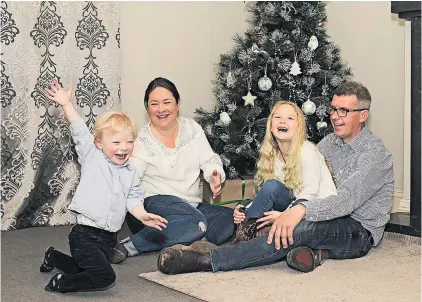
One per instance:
(169, 155)
(290, 169)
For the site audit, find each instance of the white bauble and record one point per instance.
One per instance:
(321, 125)
(265, 83)
(308, 107)
(225, 118)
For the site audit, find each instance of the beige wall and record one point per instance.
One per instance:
(372, 42)
(178, 40)
(182, 41)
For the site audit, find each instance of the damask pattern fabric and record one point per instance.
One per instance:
(70, 42)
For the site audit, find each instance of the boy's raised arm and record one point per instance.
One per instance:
(63, 97)
(83, 139)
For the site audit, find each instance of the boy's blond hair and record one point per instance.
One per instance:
(114, 121)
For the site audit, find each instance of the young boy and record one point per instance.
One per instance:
(108, 188)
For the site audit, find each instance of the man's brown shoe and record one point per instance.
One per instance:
(200, 246)
(304, 259)
(172, 261)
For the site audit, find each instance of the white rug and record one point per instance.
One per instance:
(390, 272)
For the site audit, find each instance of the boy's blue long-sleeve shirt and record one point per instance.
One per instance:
(106, 190)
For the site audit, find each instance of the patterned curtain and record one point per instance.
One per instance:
(71, 42)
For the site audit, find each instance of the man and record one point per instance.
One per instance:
(341, 226)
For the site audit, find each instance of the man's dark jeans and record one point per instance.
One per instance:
(344, 238)
(89, 267)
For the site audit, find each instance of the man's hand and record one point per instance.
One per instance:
(58, 94)
(215, 184)
(238, 216)
(154, 221)
(284, 226)
(268, 219)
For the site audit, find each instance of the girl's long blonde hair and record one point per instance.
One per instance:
(268, 152)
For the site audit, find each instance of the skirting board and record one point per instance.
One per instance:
(400, 204)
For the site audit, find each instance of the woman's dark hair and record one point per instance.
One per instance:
(161, 82)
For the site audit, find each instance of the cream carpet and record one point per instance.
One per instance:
(390, 272)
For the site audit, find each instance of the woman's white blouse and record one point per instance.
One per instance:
(175, 171)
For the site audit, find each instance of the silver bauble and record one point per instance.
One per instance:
(265, 83)
(308, 107)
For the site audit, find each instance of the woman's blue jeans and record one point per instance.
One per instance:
(186, 224)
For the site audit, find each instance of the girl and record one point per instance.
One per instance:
(290, 169)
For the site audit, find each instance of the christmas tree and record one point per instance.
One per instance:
(285, 54)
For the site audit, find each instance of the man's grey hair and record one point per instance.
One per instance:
(355, 88)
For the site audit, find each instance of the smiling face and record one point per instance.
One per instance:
(284, 122)
(162, 108)
(349, 126)
(117, 146)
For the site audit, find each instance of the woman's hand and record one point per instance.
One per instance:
(268, 219)
(215, 184)
(238, 216)
(154, 221)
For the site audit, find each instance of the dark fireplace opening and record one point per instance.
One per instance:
(410, 223)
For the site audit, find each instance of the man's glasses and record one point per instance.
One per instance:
(342, 112)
